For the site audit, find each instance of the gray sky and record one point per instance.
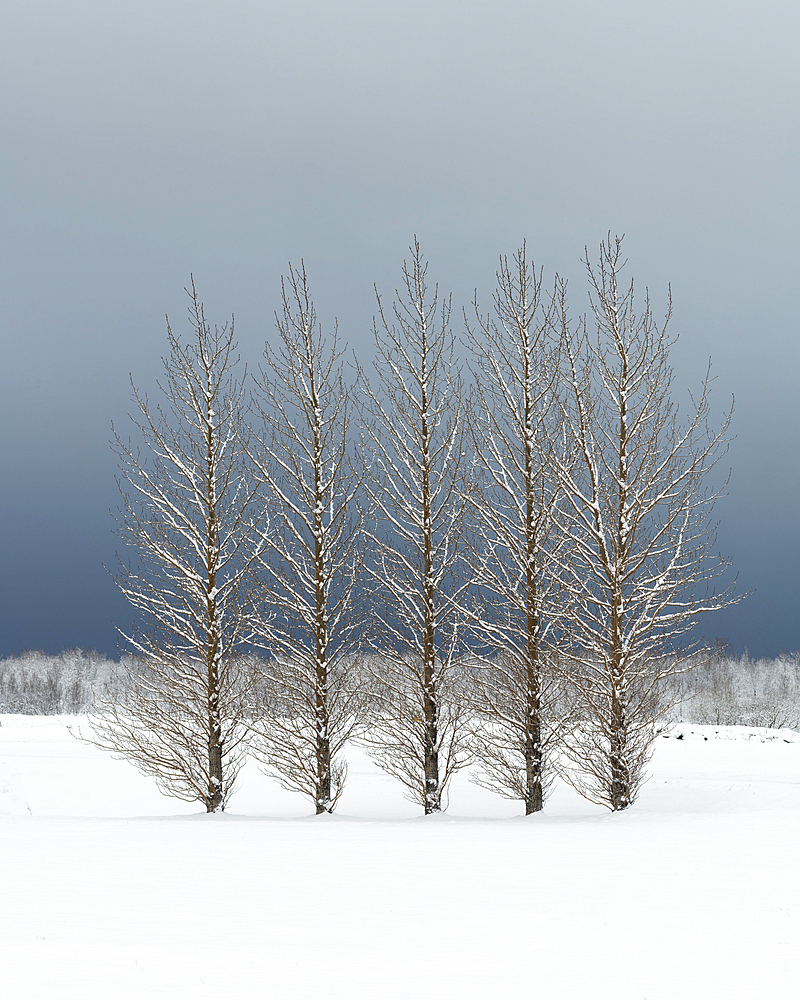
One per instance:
(144, 141)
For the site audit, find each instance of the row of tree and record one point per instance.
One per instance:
(518, 557)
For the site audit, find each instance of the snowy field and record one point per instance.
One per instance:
(112, 891)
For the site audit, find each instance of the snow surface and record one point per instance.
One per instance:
(111, 890)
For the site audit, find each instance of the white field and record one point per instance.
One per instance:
(111, 891)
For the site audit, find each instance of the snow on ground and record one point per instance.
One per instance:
(112, 891)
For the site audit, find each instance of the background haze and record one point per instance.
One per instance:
(146, 141)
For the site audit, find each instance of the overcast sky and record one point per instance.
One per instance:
(146, 141)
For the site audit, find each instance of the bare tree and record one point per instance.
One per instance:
(516, 431)
(312, 555)
(187, 511)
(418, 733)
(642, 539)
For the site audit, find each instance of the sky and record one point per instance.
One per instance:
(146, 142)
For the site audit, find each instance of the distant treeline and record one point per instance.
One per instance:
(721, 689)
(725, 690)
(70, 683)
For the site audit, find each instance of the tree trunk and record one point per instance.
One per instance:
(534, 793)
(215, 789)
(322, 709)
(433, 793)
(620, 789)
(323, 749)
(215, 796)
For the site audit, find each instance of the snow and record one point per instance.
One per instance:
(111, 890)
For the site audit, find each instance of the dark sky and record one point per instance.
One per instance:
(143, 141)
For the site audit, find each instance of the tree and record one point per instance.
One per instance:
(516, 431)
(187, 508)
(639, 511)
(416, 485)
(312, 555)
